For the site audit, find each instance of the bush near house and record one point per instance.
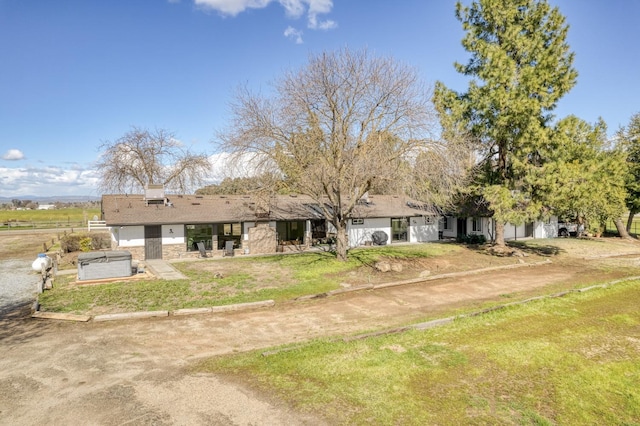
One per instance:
(472, 239)
(84, 242)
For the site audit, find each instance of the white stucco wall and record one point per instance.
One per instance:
(513, 232)
(128, 236)
(133, 236)
(173, 234)
(546, 229)
(359, 234)
(422, 230)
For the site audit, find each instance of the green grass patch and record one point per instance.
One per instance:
(570, 360)
(229, 281)
(118, 297)
(67, 217)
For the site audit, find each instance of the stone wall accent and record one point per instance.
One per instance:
(137, 253)
(262, 239)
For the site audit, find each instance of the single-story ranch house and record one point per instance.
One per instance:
(156, 226)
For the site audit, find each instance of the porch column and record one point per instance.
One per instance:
(307, 233)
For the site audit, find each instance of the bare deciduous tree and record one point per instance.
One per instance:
(141, 158)
(342, 125)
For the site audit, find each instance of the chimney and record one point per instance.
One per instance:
(154, 194)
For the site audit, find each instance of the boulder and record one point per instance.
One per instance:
(382, 266)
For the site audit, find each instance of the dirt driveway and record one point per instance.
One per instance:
(137, 372)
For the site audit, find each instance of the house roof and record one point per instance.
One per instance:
(120, 209)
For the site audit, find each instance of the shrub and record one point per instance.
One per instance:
(100, 241)
(472, 239)
(84, 242)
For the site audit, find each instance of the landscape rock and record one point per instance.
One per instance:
(396, 267)
(382, 266)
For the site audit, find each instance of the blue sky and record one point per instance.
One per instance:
(75, 73)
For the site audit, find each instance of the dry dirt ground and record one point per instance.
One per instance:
(137, 372)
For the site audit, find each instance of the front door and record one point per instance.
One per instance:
(462, 227)
(528, 230)
(153, 242)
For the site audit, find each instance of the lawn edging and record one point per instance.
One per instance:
(148, 314)
(261, 304)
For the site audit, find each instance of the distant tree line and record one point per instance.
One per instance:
(33, 205)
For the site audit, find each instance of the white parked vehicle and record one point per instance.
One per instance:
(570, 229)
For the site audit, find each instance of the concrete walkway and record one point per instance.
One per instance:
(164, 270)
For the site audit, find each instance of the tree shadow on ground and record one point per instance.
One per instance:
(542, 250)
(515, 249)
(17, 326)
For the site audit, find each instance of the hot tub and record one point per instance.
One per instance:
(98, 265)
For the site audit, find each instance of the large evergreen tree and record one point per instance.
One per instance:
(629, 141)
(520, 67)
(584, 177)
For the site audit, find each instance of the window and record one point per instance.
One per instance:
(357, 221)
(399, 229)
(199, 234)
(476, 224)
(229, 232)
(290, 231)
(447, 223)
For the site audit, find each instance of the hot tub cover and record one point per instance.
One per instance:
(103, 256)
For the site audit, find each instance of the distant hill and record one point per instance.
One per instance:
(51, 198)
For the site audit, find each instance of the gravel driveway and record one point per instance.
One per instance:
(18, 283)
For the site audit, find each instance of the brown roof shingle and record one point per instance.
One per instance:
(119, 209)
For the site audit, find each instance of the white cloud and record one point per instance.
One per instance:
(293, 9)
(320, 7)
(225, 165)
(13, 154)
(232, 7)
(45, 181)
(327, 25)
(293, 34)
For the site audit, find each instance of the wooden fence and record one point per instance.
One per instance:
(26, 225)
(635, 226)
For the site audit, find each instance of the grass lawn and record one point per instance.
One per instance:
(239, 280)
(571, 360)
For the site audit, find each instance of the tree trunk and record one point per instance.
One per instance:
(632, 214)
(499, 234)
(622, 231)
(342, 243)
